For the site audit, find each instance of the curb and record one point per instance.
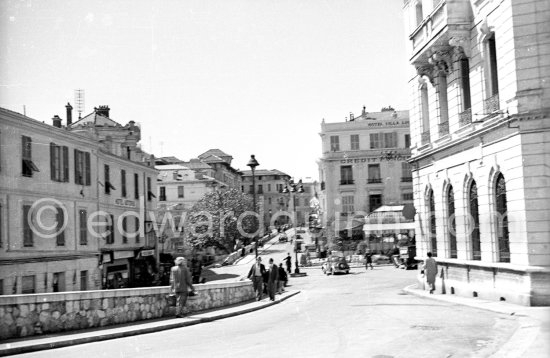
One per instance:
(129, 331)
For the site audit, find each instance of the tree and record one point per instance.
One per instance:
(203, 220)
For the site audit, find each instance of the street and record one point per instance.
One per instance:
(363, 314)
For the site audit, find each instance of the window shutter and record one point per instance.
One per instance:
(60, 222)
(76, 174)
(88, 170)
(52, 161)
(29, 148)
(65, 164)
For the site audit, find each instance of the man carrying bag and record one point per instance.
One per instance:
(180, 284)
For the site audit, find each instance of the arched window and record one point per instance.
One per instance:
(433, 233)
(502, 218)
(451, 221)
(474, 222)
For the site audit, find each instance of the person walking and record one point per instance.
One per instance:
(256, 274)
(180, 284)
(288, 261)
(282, 279)
(430, 269)
(368, 260)
(196, 269)
(272, 278)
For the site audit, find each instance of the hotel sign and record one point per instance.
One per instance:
(125, 203)
(389, 156)
(388, 124)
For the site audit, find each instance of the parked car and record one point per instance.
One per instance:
(335, 265)
(283, 238)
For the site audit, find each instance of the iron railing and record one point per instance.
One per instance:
(443, 129)
(491, 104)
(465, 118)
(425, 138)
(374, 180)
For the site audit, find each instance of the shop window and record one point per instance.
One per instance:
(433, 227)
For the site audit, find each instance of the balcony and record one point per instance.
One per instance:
(443, 129)
(346, 182)
(491, 104)
(406, 179)
(374, 180)
(465, 118)
(425, 138)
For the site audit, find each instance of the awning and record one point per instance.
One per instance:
(388, 219)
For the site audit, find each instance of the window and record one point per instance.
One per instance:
(1, 287)
(162, 193)
(82, 171)
(59, 163)
(124, 230)
(28, 166)
(407, 196)
(279, 188)
(375, 201)
(407, 140)
(418, 12)
(29, 285)
(354, 139)
(451, 221)
(28, 240)
(493, 72)
(260, 189)
(60, 241)
(180, 191)
(334, 143)
(58, 282)
(296, 201)
(443, 103)
(474, 222)
(502, 217)
(1, 221)
(406, 174)
(269, 200)
(107, 179)
(346, 175)
(83, 229)
(123, 182)
(348, 204)
(136, 229)
(375, 141)
(425, 112)
(465, 84)
(251, 189)
(431, 213)
(374, 173)
(109, 228)
(136, 186)
(390, 140)
(150, 194)
(83, 280)
(268, 187)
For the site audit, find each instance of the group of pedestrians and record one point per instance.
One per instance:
(271, 280)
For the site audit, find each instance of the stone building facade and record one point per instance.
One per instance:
(364, 165)
(480, 130)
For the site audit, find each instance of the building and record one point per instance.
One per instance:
(67, 194)
(269, 193)
(364, 166)
(479, 133)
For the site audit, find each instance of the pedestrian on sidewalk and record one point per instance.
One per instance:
(282, 279)
(256, 274)
(272, 278)
(180, 284)
(430, 269)
(288, 261)
(368, 260)
(196, 269)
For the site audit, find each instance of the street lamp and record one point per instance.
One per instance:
(291, 188)
(253, 163)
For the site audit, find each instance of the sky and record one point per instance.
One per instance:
(245, 76)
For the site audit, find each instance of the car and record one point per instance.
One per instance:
(283, 238)
(335, 265)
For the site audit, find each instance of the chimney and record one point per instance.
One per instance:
(69, 114)
(364, 110)
(56, 121)
(103, 110)
(351, 117)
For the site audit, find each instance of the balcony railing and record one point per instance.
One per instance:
(346, 181)
(374, 180)
(406, 179)
(443, 128)
(425, 138)
(465, 118)
(491, 104)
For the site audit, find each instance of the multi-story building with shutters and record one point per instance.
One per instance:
(364, 166)
(480, 128)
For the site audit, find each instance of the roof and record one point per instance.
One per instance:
(97, 120)
(171, 160)
(264, 172)
(215, 152)
(171, 167)
(196, 164)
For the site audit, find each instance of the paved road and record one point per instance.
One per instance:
(363, 314)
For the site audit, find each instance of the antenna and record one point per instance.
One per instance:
(79, 101)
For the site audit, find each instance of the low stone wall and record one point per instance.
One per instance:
(523, 285)
(27, 315)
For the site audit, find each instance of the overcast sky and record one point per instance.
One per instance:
(247, 77)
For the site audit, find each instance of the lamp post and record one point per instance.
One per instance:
(253, 163)
(291, 188)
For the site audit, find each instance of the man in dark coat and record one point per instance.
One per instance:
(272, 277)
(288, 261)
(180, 284)
(196, 269)
(256, 274)
(282, 279)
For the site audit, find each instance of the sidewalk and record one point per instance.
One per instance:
(531, 339)
(53, 341)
